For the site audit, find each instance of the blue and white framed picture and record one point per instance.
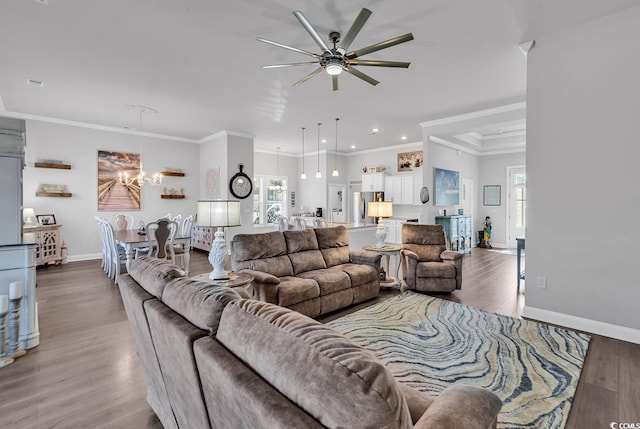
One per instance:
(447, 187)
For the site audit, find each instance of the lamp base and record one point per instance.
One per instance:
(381, 233)
(217, 256)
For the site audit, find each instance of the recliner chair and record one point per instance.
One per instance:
(426, 264)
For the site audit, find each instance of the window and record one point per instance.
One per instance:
(520, 182)
(269, 199)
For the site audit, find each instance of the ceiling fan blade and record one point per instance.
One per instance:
(358, 73)
(291, 48)
(312, 31)
(379, 46)
(308, 76)
(334, 82)
(357, 25)
(277, 66)
(377, 63)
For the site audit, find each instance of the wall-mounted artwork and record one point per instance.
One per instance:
(408, 160)
(447, 187)
(491, 195)
(117, 187)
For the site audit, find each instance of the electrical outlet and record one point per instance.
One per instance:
(542, 282)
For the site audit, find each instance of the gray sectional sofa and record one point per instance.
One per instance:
(311, 271)
(215, 360)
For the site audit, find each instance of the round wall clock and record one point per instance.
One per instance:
(424, 195)
(240, 185)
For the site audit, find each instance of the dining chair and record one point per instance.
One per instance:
(181, 250)
(122, 221)
(177, 219)
(103, 243)
(283, 223)
(299, 223)
(115, 255)
(160, 235)
(320, 222)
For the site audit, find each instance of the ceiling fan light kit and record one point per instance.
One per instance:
(337, 59)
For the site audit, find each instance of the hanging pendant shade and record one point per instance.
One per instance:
(303, 176)
(335, 165)
(318, 174)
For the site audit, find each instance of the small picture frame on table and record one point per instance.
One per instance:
(46, 219)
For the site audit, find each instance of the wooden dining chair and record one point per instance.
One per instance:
(160, 235)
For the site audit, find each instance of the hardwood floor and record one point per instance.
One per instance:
(85, 372)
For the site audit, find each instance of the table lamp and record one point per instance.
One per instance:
(29, 217)
(380, 209)
(218, 213)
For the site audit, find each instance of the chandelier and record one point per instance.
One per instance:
(140, 179)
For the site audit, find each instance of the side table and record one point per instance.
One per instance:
(387, 252)
(241, 281)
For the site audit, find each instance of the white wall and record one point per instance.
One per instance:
(79, 147)
(493, 171)
(583, 177)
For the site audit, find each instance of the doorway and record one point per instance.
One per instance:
(516, 203)
(466, 198)
(337, 204)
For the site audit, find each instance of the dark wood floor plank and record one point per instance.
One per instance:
(85, 373)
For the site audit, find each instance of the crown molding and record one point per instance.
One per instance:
(384, 149)
(475, 115)
(446, 143)
(225, 133)
(78, 124)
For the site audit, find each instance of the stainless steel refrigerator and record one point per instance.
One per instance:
(359, 201)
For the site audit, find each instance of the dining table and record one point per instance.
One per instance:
(132, 239)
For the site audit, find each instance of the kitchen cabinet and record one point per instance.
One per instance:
(403, 189)
(393, 226)
(373, 182)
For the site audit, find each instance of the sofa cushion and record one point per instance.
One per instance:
(329, 281)
(334, 380)
(153, 273)
(293, 290)
(261, 252)
(427, 241)
(358, 274)
(302, 248)
(199, 302)
(426, 252)
(436, 269)
(333, 244)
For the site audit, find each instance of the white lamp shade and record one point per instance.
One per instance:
(29, 217)
(218, 213)
(380, 209)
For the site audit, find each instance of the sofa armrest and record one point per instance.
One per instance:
(449, 255)
(409, 254)
(262, 277)
(265, 286)
(462, 406)
(365, 258)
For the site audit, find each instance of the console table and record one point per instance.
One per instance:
(48, 243)
(520, 271)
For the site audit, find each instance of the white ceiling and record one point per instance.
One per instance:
(197, 62)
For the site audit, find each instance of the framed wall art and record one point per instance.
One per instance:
(447, 187)
(117, 187)
(46, 219)
(491, 195)
(408, 160)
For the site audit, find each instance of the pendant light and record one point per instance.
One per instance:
(303, 176)
(335, 165)
(318, 174)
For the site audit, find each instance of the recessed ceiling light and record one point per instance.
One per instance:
(34, 82)
(403, 137)
(353, 146)
(42, 1)
(324, 140)
(374, 130)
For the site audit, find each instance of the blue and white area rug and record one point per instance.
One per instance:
(429, 344)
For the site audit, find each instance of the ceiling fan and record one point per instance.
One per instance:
(336, 60)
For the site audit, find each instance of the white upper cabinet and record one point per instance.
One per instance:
(373, 182)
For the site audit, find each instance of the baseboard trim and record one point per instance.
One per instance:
(86, 257)
(593, 326)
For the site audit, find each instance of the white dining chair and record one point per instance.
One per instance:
(320, 222)
(122, 221)
(160, 235)
(181, 250)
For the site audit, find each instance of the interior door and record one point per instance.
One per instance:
(517, 203)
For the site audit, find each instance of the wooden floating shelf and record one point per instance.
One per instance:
(172, 173)
(171, 197)
(52, 165)
(54, 194)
